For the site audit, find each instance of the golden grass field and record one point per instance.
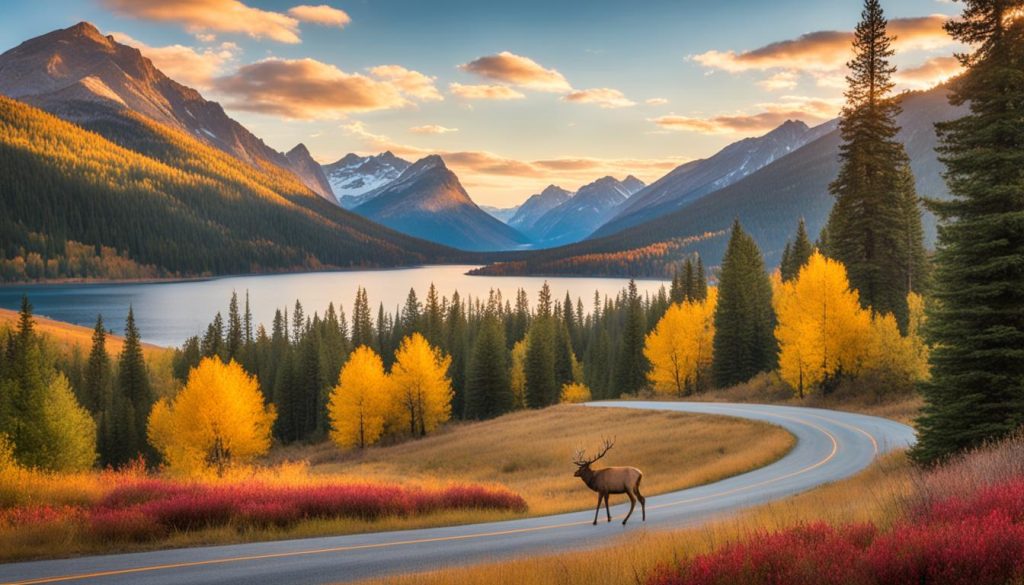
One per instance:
(874, 494)
(531, 452)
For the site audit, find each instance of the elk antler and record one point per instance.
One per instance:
(578, 458)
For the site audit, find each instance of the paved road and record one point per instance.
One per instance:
(830, 446)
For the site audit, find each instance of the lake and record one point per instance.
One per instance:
(167, 313)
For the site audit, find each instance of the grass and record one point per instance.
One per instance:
(530, 452)
(891, 497)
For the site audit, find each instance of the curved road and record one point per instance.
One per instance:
(830, 446)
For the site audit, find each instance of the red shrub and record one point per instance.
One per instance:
(1007, 498)
(123, 524)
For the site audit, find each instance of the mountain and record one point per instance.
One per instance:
(308, 170)
(74, 204)
(768, 202)
(577, 217)
(502, 214)
(536, 206)
(427, 201)
(82, 76)
(693, 180)
(354, 178)
(633, 185)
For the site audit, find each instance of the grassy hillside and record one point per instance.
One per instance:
(164, 204)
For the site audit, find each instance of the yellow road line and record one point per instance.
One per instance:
(188, 564)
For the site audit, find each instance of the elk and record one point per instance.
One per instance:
(610, 480)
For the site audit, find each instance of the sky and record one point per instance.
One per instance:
(514, 95)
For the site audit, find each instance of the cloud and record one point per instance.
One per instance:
(769, 116)
(323, 15)
(826, 50)
(306, 89)
(187, 65)
(928, 74)
(517, 70)
(779, 81)
(432, 129)
(656, 101)
(484, 92)
(411, 82)
(604, 97)
(204, 16)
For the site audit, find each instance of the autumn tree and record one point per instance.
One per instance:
(575, 393)
(679, 348)
(218, 419)
(744, 319)
(358, 405)
(976, 322)
(517, 373)
(422, 390)
(872, 224)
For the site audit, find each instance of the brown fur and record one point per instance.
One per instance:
(611, 480)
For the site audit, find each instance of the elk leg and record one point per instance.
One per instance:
(598, 510)
(643, 502)
(606, 510)
(632, 505)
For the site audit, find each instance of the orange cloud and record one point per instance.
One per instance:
(323, 15)
(306, 89)
(779, 80)
(826, 50)
(485, 92)
(929, 74)
(604, 97)
(201, 16)
(519, 71)
(656, 101)
(187, 65)
(432, 129)
(411, 82)
(770, 116)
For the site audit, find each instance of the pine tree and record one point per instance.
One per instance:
(700, 292)
(411, 319)
(433, 318)
(213, 342)
(235, 335)
(362, 322)
(97, 394)
(976, 322)
(744, 320)
(488, 388)
(134, 398)
(798, 253)
(455, 346)
(631, 365)
(541, 386)
(869, 222)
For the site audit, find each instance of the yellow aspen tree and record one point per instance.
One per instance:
(422, 391)
(680, 346)
(822, 330)
(358, 404)
(217, 419)
(517, 377)
(575, 393)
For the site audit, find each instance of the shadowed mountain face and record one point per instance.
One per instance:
(87, 78)
(578, 216)
(356, 179)
(536, 206)
(427, 201)
(693, 180)
(768, 202)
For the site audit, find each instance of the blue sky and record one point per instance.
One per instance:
(599, 87)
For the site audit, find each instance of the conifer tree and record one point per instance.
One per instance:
(488, 388)
(797, 253)
(97, 395)
(411, 314)
(869, 224)
(541, 386)
(455, 345)
(700, 290)
(134, 397)
(744, 343)
(976, 322)
(213, 342)
(362, 322)
(631, 366)
(235, 335)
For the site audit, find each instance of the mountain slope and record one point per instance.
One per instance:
(693, 180)
(502, 214)
(354, 177)
(579, 216)
(67, 192)
(87, 78)
(427, 201)
(767, 202)
(536, 206)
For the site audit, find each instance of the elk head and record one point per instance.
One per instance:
(583, 463)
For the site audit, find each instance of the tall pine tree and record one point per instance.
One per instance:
(976, 322)
(133, 399)
(869, 224)
(631, 367)
(488, 389)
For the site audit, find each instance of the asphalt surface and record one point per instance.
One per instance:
(830, 446)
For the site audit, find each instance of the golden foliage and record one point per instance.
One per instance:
(575, 393)
(680, 346)
(422, 391)
(517, 376)
(217, 419)
(358, 405)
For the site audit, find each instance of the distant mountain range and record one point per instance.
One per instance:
(87, 78)
(428, 201)
(354, 179)
(534, 208)
(768, 202)
(502, 214)
(577, 217)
